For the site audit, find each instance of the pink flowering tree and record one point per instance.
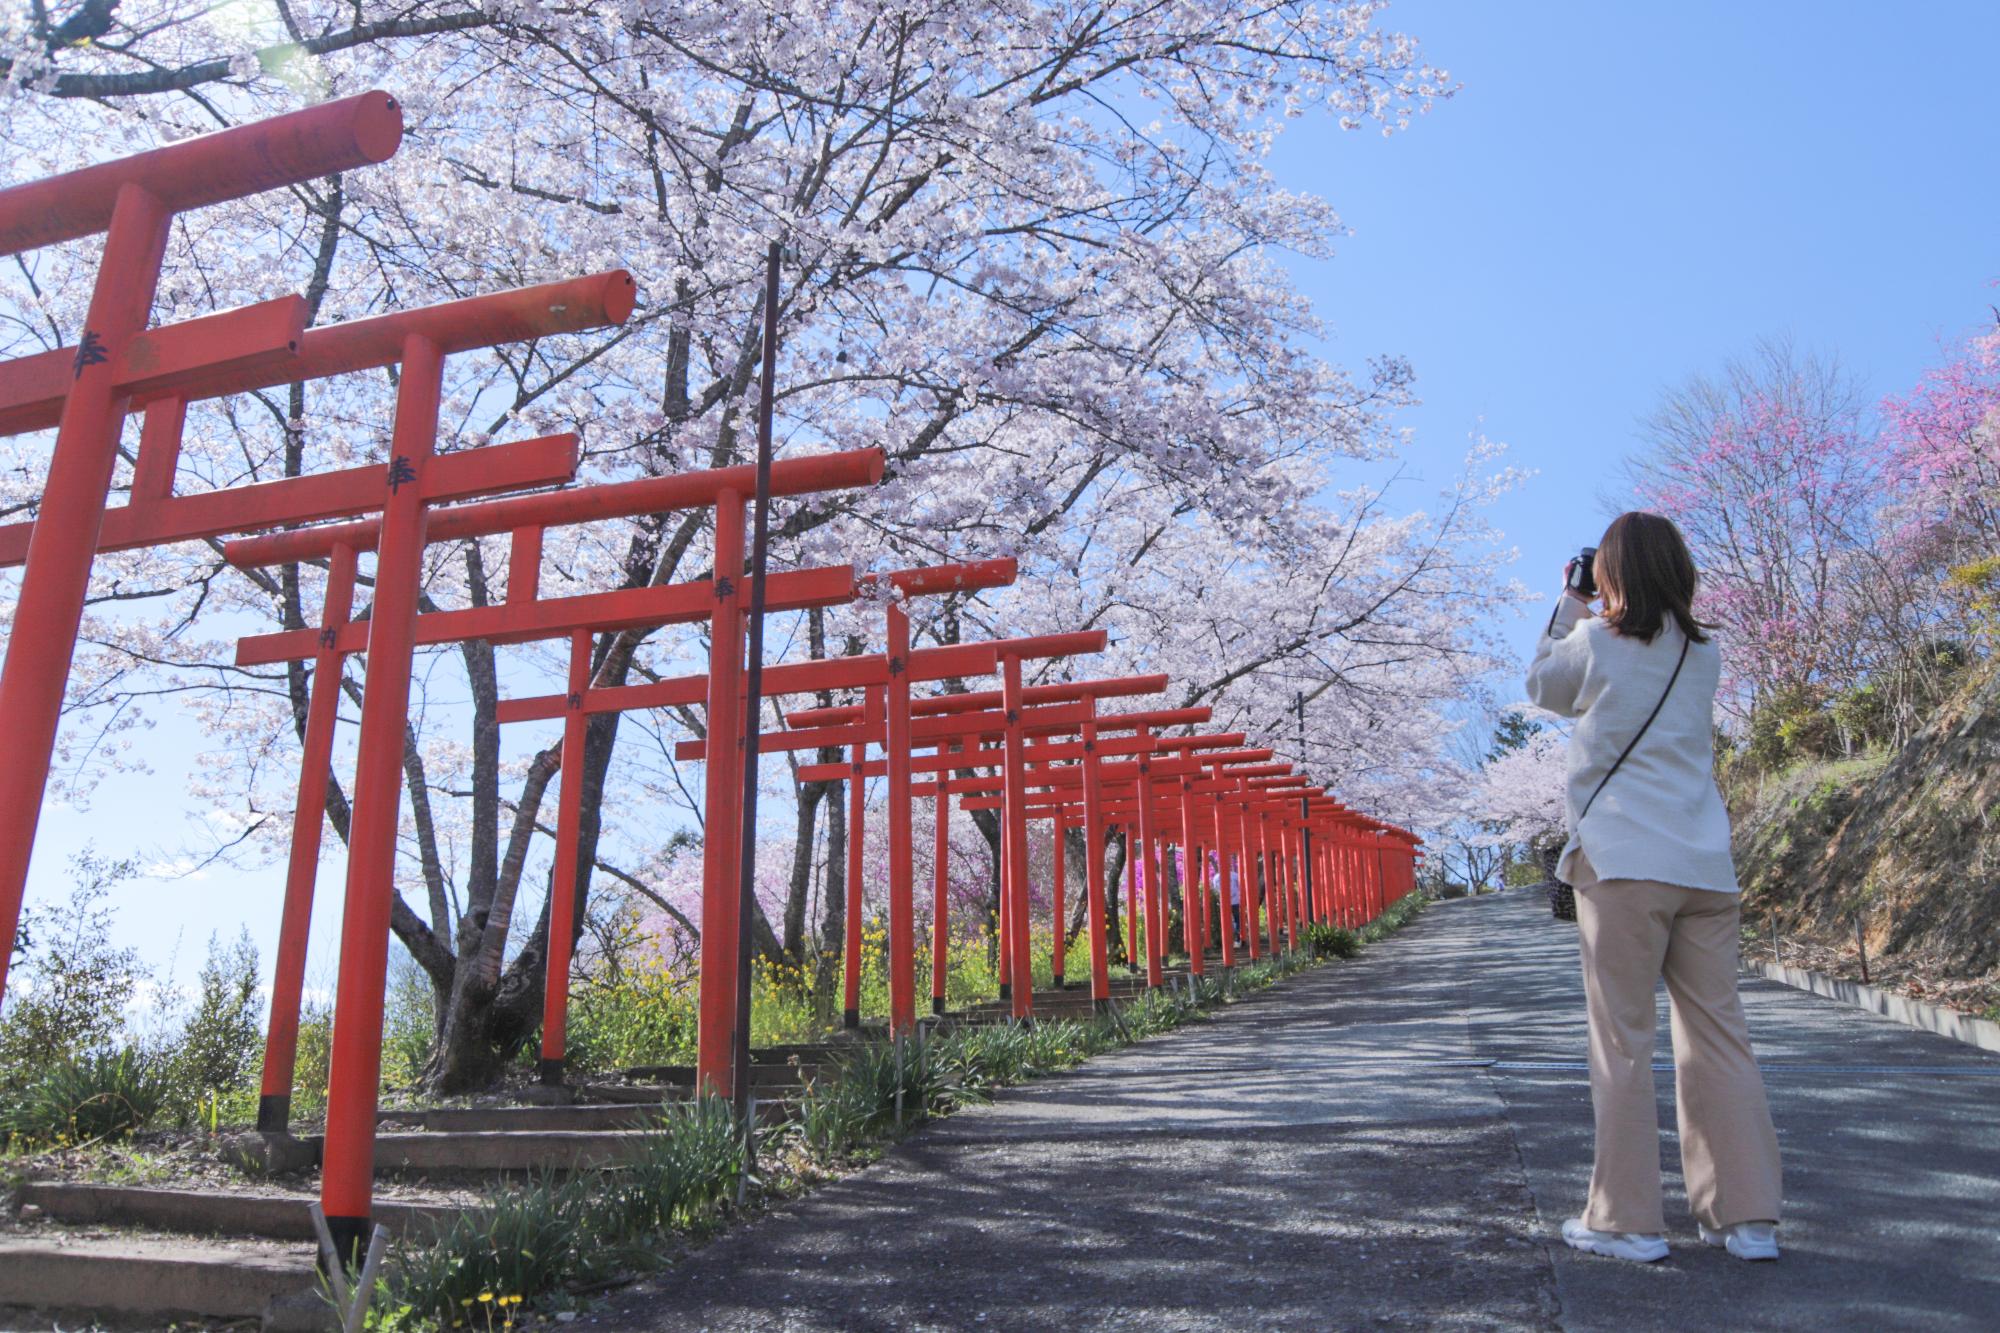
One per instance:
(1772, 478)
(1941, 444)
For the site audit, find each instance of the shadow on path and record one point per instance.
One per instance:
(1340, 1153)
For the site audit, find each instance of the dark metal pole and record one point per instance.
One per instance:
(1305, 809)
(753, 702)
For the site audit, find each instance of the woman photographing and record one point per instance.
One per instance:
(1656, 896)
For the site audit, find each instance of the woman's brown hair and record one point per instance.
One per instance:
(1646, 573)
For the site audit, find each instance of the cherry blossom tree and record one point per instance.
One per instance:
(1030, 251)
(1522, 792)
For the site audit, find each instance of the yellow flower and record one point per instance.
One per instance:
(485, 1296)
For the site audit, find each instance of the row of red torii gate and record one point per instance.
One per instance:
(1030, 752)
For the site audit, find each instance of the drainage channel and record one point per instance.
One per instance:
(1378, 1064)
(1578, 1066)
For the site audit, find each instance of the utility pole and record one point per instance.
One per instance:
(740, 1093)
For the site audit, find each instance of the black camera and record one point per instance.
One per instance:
(1582, 579)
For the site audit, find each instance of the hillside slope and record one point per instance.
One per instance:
(1907, 842)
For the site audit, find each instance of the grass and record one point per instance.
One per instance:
(647, 1016)
(545, 1240)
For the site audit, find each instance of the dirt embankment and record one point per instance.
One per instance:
(1905, 843)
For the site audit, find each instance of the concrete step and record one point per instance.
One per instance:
(213, 1212)
(681, 1077)
(516, 1119)
(487, 1152)
(482, 1153)
(61, 1271)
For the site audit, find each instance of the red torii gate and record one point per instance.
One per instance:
(1069, 706)
(521, 616)
(873, 671)
(1066, 788)
(133, 201)
(1118, 789)
(878, 721)
(86, 391)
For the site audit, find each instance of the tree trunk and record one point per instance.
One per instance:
(810, 797)
(1114, 875)
(833, 920)
(989, 828)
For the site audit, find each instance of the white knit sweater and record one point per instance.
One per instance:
(1660, 817)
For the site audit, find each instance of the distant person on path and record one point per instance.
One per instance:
(1656, 895)
(1235, 901)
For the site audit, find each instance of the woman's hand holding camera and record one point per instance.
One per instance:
(1580, 576)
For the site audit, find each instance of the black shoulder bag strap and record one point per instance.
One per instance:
(1631, 745)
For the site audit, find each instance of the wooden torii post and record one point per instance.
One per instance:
(523, 615)
(875, 670)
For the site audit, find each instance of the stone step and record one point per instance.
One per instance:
(213, 1212)
(158, 1278)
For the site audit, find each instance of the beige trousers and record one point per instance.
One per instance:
(1634, 932)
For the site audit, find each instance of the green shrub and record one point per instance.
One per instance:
(409, 1024)
(530, 1239)
(1792, 724)
(685, 1170)
(69, 988)
(219, 1050)
(313, 1064)
(860, 1100)
(1327, 940)
(98, 1095)
(1400, 914)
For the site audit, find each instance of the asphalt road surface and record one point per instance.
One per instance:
(1385, 1143)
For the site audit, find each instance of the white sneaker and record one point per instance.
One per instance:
(1615, 1244)
(1746, 1240)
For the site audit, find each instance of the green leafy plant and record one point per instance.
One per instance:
(215, 1056)
(96, 1096)
(524, 1240)
(1327, 940)
(69, 988)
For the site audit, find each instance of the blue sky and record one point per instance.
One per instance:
(1618, 196)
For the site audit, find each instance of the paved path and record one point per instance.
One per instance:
(1359, 1149)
